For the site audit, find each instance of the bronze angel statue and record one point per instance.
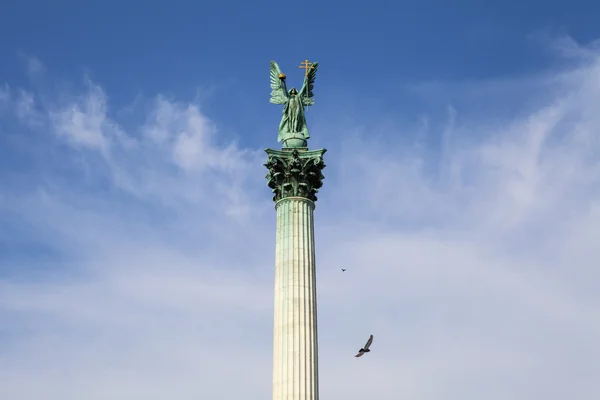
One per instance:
(292, 128)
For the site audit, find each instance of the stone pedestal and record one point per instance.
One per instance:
(295, 177)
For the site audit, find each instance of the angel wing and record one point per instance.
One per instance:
(278, 89)
(306, 93)
(368, 342)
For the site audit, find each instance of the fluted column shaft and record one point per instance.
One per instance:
(295, 176)
(295, 360)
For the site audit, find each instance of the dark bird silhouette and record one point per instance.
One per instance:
(343, 269)
(366, 348)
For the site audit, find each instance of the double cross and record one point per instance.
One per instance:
(306, 65)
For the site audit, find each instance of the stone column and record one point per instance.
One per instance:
(295, 177)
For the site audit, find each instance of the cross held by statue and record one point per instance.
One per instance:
(306, 65)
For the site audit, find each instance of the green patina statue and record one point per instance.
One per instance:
(292, 128)
(294, 171)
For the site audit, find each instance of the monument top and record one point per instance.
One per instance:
(292, 128)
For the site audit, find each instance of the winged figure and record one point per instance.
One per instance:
(293, 121)
(366, 348)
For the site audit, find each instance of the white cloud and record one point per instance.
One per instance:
(35, 68)
(4, 94)
(566, 47)
(476, 273)
(140, 160)
(190, 135)
(85, 122)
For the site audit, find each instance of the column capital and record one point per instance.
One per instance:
(295, 172)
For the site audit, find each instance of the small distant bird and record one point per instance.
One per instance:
(366, 348)
(343, 269)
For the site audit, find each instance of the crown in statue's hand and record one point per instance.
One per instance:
(281, 76)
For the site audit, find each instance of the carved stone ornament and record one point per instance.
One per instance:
(295, 173)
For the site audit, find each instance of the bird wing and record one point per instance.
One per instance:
(306, 93)
(278, 92)
(369, 342)
(359, 354)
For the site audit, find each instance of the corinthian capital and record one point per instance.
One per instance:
(295, 172)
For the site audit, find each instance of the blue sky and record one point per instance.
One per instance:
(462, 195)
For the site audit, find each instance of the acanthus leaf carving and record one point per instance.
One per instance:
(295, 173)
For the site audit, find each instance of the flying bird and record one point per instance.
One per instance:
(343, 269)
(366, 348)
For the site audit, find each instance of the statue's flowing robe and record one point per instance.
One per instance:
(293, 122)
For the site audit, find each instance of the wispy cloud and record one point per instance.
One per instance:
(85, 122)
(33, 66)
(470, 252)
